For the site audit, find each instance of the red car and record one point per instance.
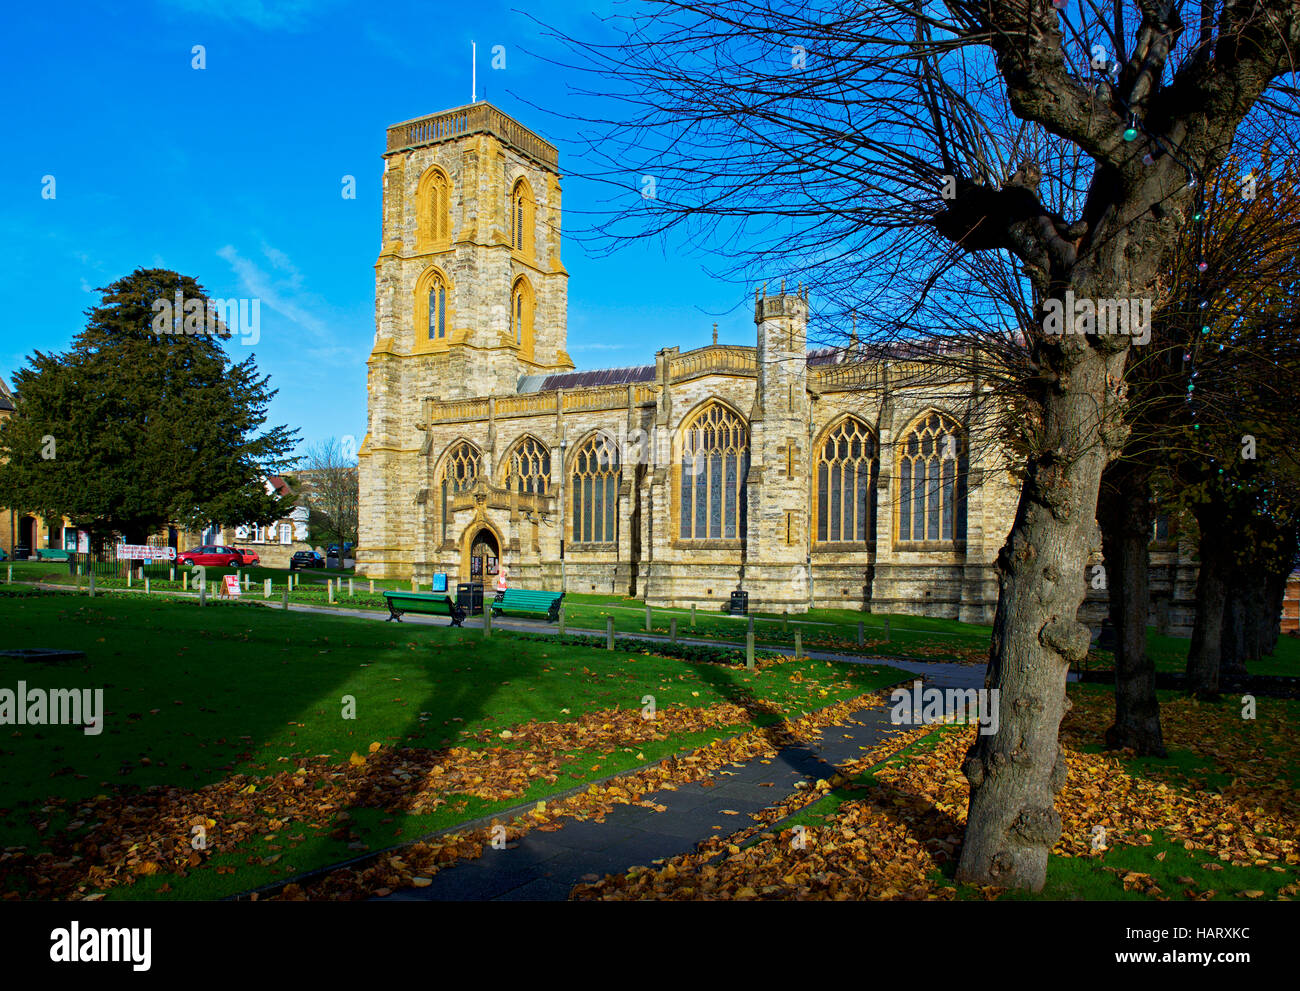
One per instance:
(250, 557)
(212, 556)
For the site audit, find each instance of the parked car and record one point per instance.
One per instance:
(333, 550)
(306, 559)
(212, 556)
(250, 557)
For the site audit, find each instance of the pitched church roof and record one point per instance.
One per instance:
(6, 397)
(586, 380)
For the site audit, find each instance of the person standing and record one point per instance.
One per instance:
(502, 580)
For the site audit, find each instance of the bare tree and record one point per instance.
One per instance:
(330, 486)
(958, 168)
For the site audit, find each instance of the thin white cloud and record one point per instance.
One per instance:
(283, 294)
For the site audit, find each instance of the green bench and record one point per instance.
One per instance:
(423, 602)
(522, 600)
(51, 554)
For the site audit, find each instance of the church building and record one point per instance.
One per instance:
(805, 477)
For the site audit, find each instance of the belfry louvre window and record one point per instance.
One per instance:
(521, 218)
(433, 206)
(594, 487)
(529, 467)
(932, 481)
(846, 475)
(714, 465)
(459, 472)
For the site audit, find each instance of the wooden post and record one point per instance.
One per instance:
(171, 573)
(266, 588)
(609, 632)
(751, 624)
(886, 629)
(415, 586)
(284, 599)
(351, 588)
(185, 581)
(10, 579)
(798, 645)
(647, 617)
(92, 583)
(561, 617)
(785, 620)
(372, 586)
(128, 578)
(692, 615)
(672, 629)
(146, 584)
(329, 588)
(861, 641)
(487, 621)
(203, 593)
(247, 579)
(749, 649)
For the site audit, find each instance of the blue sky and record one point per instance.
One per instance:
(232, 174)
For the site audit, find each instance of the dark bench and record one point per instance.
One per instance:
(523, 600)
(423, 602)
(51, 554)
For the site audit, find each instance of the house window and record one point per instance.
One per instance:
(714, 465)
(594, 488)
(286, 533)
(528, 468)
(846, 476)
(932, 481)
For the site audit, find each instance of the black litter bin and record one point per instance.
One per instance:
(22, 552)
(469, 596)
(739, 602)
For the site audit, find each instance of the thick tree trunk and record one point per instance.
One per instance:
(1207, 630)
(1124, 513)
(1271, 620)
(1015, 772)
(1233, 645)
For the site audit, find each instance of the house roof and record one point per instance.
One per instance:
(6, 397)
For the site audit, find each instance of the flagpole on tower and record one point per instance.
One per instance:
(473, 91)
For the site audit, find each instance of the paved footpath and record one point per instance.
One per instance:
(545, 866)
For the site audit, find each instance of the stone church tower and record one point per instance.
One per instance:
(470, 295)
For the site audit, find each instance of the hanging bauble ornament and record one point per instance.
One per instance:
(1202, 266)
(1131, 132)
(1148, 160)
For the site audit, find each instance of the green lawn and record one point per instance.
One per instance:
(195, 696)
(1170, 655)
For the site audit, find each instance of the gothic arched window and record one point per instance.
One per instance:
(460, 469)
(846, 480)
(714, 464)
(932, 464)
(437, 310)
(521, 315)
(528, 467)
(594, 490)
(433, 209)
(521, 218)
